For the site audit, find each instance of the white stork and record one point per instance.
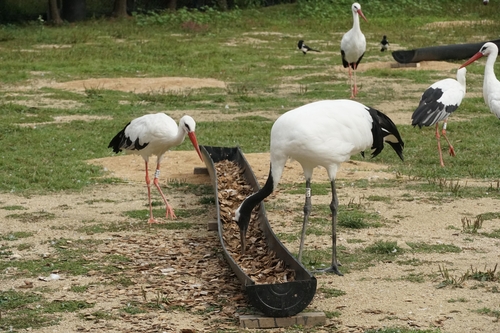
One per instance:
(154, 134)
(324, 133)
(353, 46)
(437, 104)
(491, 85)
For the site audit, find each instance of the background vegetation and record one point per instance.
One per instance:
(229, 46)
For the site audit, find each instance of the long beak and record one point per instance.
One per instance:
(362, 15)
(192, 137)
(243, 239)
(472, 59)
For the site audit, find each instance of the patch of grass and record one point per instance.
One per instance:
(458, 300)
(66, 306)
(412, 262)
(433, 248)
(384, 247)
(79, 288)
(133, 308)
(16, 235)
(332, 314)
(471, 227)
(414, 277)
(24, 246)
(14, 207)
(489, 312)
(331, 292)
(34, 217)
(494, 234)
(487, 275)
(143, 215)
(23, 310)
(451, 280)
(379, 198)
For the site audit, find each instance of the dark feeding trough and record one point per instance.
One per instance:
(273, 300)
(439, 53)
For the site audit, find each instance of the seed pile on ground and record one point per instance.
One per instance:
(259, 262)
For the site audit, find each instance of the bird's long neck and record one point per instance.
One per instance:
(181, 135)
(355, 21)
(246, 207)
(489, 68)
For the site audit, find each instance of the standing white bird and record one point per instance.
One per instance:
(437, 103)
(324, 133)
(353, 46)
(491, 85)
(154, 134)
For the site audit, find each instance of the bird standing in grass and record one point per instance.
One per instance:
(304, 48)
(325, 133)
(384, 44)
(154, 134)
(353, 46)
(491, 85)
(437, 103)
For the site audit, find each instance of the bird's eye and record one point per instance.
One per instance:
(187, 128)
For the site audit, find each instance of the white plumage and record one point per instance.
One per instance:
(491, 85)
(437, 103)
(324, 133)
(154, 134)
(353, 46)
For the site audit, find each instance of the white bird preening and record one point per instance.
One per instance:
(154, 134)
(491, 85)
(437, 103)
(353, 46)
(324, 133)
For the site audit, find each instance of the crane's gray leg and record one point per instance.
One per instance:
(307, 211)
(333, 207)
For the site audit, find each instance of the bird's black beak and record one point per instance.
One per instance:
(243, 239)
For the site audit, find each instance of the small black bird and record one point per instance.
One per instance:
(304, 48)
(384, 44)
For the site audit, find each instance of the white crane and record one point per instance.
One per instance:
(437, 103)
(324, 133)
(491, 85)
(154, 134)
(353, 46)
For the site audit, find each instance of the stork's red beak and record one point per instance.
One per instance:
(192, 137)
(472, 59)
(362, 15)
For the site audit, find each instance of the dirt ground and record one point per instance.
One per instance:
(184, 267)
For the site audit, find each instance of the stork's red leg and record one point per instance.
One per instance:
(452, 151)
(350, 81)
(438, 138)
(169, 210)
(148, 184)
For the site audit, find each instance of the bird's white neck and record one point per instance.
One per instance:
(489, 68)
(181, 134)
(355, 21)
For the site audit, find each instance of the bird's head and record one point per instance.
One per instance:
(485, 50)
(188, 125)
(243, 220)
(356, 9)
